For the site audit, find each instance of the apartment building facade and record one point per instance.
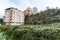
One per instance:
(13, 16)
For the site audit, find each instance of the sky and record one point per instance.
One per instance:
(23, 4)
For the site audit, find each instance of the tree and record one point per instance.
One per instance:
(1, 21)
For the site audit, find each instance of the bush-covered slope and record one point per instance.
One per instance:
(32, 32)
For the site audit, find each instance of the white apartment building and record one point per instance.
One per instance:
(13, 16)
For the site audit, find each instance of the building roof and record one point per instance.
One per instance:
(9, 8)
(13, 8)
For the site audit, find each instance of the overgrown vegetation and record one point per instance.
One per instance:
(32, 32)
(1, 21)
(44, 17)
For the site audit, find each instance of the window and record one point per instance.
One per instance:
(14, 11)
(11, 10)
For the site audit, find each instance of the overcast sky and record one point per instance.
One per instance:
(23, 4)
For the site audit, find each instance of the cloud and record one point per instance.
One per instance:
(51, 3)
(5, 4)
(23, 4)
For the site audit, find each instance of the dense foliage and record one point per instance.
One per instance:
(32, 32)
(1, 21)
(44, 17)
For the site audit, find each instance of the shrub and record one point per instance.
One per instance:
(27, 33)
